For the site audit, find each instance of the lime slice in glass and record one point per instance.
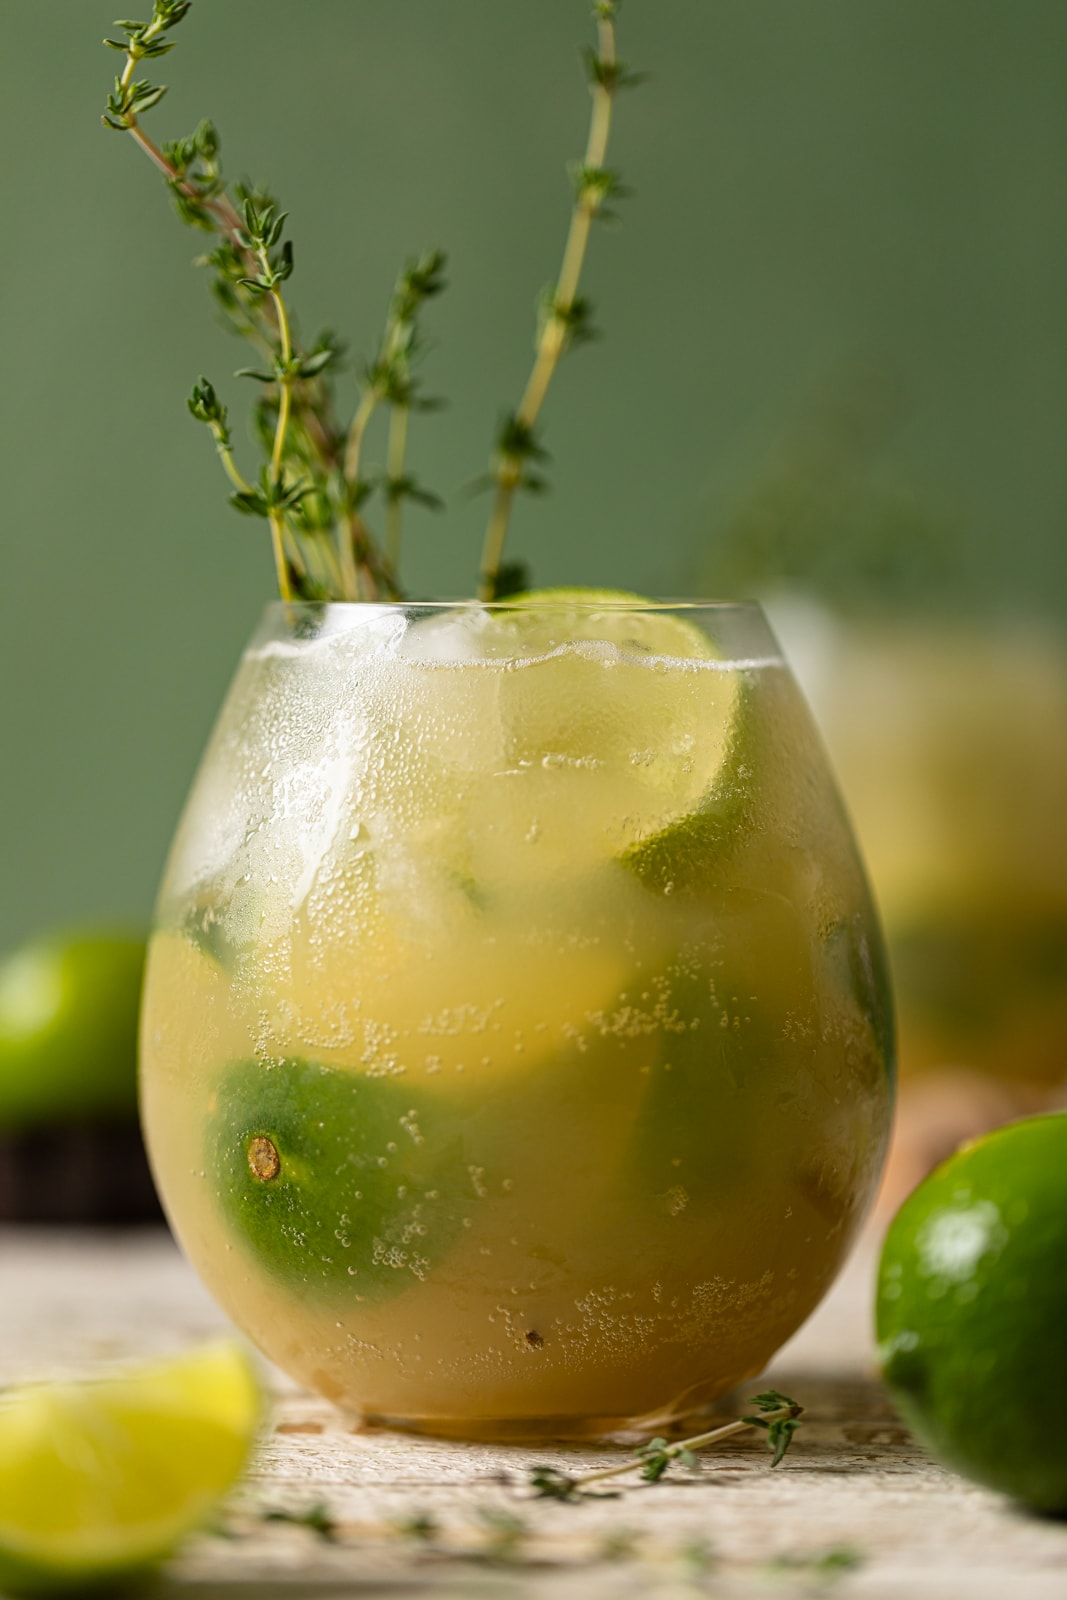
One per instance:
(100, 1479)
(615, 719)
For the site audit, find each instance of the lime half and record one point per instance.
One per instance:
(100, 1479)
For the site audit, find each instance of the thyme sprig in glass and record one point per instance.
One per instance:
(310, 490)
(313, 487)
(566, 318)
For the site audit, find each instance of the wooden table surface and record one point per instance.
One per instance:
(856, 1509)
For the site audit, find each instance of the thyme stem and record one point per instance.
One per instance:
(221, 208)
(354, 445)
(394, 467)
(554, 335)
(310, 488)
(776, 1414)
(672, 1452)
(237, 478)
(285, 377)
(556, 326)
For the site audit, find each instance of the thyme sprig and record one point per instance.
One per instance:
(390, 379)
(313, 486)
(565, 318)
(310, 489)
(775, 1413)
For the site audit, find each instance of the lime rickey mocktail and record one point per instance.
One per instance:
(516, 1042)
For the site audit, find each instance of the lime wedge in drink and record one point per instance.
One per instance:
(614, 718)
(100, 1479)
(336, 1181)
(689, 852)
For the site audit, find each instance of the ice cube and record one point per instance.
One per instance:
(459, 634)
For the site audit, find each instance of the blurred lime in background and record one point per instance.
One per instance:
(70, 1146)
(68, 1027)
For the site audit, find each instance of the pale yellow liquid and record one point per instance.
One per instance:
(420, 876)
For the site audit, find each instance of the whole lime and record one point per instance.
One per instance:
(972, 1311)
(68, 1027)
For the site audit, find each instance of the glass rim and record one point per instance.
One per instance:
(738, 631)
(545, 601)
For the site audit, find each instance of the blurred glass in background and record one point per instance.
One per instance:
(946, 719)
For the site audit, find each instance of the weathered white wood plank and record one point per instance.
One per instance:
(853, 1479)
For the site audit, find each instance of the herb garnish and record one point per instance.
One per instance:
(566, 317)
(775, 1413)
(313, 488)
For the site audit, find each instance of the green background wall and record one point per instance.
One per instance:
(821, 189)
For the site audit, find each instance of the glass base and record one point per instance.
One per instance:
(548, 1430)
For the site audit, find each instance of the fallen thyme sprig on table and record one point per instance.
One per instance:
(775, 1413)
(316, 1518)
(313, 487)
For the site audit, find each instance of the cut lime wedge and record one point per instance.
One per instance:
(100, 1479)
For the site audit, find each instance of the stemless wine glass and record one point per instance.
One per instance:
(516, 1039)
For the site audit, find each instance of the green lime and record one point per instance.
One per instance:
(972, 1311)
(99, 1480)
(68, 1027)
(340, 1184)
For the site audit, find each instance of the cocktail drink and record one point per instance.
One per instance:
(516, 1046)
